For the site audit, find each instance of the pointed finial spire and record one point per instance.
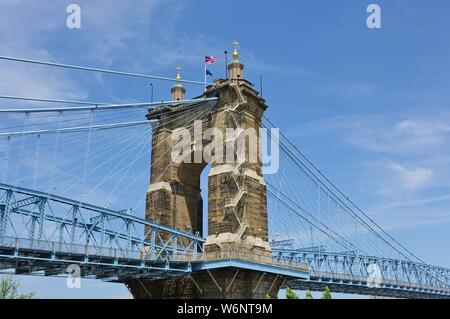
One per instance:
(235, 67)
(177, 89)
(235, 53)
(178, 78)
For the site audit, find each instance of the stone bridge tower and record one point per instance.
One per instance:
(237, 204)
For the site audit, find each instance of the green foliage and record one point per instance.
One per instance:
(326, 293)
(9, 289)
(290, 294)
(267, 296)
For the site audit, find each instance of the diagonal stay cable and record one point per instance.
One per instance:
(107, 106)
(351, 202)
(299, 162)
(308, 213)
(83, 68)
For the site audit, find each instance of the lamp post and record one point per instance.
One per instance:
(226, 64)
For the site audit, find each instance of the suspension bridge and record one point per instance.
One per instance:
(72, 191)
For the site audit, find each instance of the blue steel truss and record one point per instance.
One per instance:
(44, 232)
(349, 272)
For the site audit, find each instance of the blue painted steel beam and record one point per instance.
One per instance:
(162, 247)
(79, 224)
(118, 214)
(361, 288)
(325, 265)
(249, 265)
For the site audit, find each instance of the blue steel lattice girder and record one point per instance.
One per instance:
(110, 212)
(83, 226)
(93, 228)
(347, 268)
(392, 269)
(5, 209)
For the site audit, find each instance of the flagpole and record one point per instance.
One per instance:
(226, 64)
(204, 72)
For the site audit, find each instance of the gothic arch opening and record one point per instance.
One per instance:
(205, 194)
(188, 198)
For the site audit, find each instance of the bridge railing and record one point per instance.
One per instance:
(73, 226)
(363, 280)
(354, 267)
(56, 250)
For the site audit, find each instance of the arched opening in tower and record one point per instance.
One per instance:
(204, 195)
(190, 213)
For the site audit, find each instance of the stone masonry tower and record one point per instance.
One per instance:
(237, 204)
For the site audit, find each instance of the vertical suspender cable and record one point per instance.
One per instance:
(17, 169)
(51, 185)
(36, 160)
(88, 150)
(7, 160)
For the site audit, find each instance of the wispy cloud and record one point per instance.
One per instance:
(413, 202)
(404, 161)
(412, 178)
(383, 133)
(24, 30)
(142, 38)
(406, 136)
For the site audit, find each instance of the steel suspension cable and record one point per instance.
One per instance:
(170, 118)
(350, 201)
(83, 68)
(107, 106)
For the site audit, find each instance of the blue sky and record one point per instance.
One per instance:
(369, 107)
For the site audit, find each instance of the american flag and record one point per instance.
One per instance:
(210, 59)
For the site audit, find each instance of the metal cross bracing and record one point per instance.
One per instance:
(44, 232)
(350, 272)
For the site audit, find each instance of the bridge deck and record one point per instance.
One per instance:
(358, 285)
(26, 257)
(78, 233)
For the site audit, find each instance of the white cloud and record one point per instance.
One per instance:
(24, 30)
(142, 37)
(416, 202)
(410, 136)
(412, 178)
(382, 133)
(403, 162)
(342, 124)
